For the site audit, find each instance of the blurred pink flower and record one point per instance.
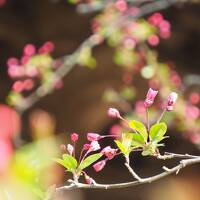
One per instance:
(192, 112)
(88, 179)
(5, 154)
(99, 165)
(74, 137)
(9, 122)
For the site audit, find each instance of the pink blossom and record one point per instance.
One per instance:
(18, 86)
(29, 50)
(151, 94)
(94, 146)
(121, 5)
(6, 152)
(88, 179)
(9, 122)
(93, 137)
(109, 152)
(114, 113)
(12, 61)
(192, 112)
(155, 19)
(28, 84)
(86, 146)
(115, 130)
(74, 137)
(153, 40)
(194, 98)
(70, 149)
(171, 101)
(99, 165)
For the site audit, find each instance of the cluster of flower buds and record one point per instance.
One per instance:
(163, 25)
(150, 97)
(34, 68)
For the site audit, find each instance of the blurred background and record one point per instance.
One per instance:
(79, 106)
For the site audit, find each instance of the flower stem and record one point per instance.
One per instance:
(161, 116)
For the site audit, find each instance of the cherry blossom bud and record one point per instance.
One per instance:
(171, 101)
(151, 94)
(121, 5)
(88, 179)
(94, 146)
(99, 165)
(114, 113)
(93, 137)
(29, 50)
(28, 84)
(86, 146)
(12, 61)
(70, 149)
(18, 86)
(74, 137)
(153, 40)
(109, 152)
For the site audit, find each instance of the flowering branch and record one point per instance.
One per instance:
(143, 139)
(182, 164)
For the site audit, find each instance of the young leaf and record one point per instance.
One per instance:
(140, 127)
(63, 163)
(121, 147)
(157, 131)
(127, 140)
(70, 162)
(89, 160)
(138, 141)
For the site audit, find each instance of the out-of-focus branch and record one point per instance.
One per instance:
(182, 164)
(70, 61)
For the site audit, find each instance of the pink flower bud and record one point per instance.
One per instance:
(109, 152)
(171, 101)
(153, 40)
(70, 149)
(121, 5)
(86, 146)
(114, 113)
(12, 61)
(29, 50)
(74, 137)
(99, 165)
(88, 179)
(93, 137)
(94, 146)
(151, 94)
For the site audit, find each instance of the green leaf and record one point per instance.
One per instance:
(69, 162)
(121, 147)
(127, 140)
(138, 141)
(89, 160)
(157, 131)
(140, 127)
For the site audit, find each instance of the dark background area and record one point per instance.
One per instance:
(78, 106)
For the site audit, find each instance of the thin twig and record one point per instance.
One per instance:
(182, 164)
